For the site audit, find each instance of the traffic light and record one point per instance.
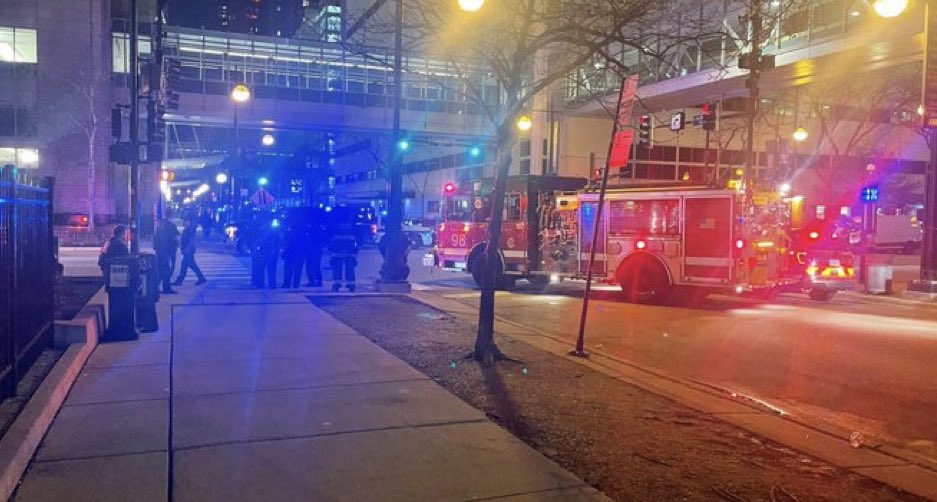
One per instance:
(449, 188)
(155, 125)
(403, 145)
(116, 123)
(475, 151)
(171, 89)
(645, 130)
(709, 117)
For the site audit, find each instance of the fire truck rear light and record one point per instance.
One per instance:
(814, 235)
(764, 244)
(466, 227)
(739, 289)
(739, 244)
(442, 227)
(640, 245)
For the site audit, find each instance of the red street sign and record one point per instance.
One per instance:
(263, 199)
(621, 149)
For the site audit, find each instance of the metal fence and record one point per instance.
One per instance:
(27, 274)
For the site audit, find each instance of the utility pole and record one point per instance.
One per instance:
(394, 246)
(754, 76)
(927, 283)
(134, 131)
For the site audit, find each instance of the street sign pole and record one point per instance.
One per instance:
(927, 283)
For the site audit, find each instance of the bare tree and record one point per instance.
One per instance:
(84, 97)
(855, 114)
(523, 48)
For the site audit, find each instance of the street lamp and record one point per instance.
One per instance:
(221, 178)
(268, 140)
(524, 124)
(471, 5)
(800, 135)
(889, 8)
(240, 94)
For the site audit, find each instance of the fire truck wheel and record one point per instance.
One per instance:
(643, 280)
(478, 266)
(821, 295)
(538, 280)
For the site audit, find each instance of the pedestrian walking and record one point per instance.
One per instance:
(208, 222)
(344, 250)
(166, 243)
(187, 246)
(265, 250)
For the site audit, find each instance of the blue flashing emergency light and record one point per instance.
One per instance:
(263, 182)
(275, 223)
(870, 194)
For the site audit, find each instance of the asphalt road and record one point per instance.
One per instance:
(858, 363)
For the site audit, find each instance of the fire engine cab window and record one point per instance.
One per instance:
(457, 209)
(512, 207)
(646, 217)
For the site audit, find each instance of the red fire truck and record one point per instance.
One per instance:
(652, 239)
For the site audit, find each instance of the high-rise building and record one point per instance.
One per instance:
(323, 20)
(276, 18)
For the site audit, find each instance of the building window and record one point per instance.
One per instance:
(25, 158)
(16, 122)
(17, 45)
(432, 206)
(525, 166)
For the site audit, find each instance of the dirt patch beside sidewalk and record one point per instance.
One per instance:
(625, 441)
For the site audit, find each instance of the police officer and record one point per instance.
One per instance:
(294, 241)
(188, 254)
(265, 250)
(315, 236)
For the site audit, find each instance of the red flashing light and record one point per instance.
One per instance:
(84, 220)
(449, 188)
(640, 245)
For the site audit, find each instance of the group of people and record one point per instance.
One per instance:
(299, 240)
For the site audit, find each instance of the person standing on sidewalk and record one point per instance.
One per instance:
(265, 250)
(188, 254)
(314, 236)
(344, 249)
(293, 252)
(165, 243)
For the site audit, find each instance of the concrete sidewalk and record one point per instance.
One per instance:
(256, 395)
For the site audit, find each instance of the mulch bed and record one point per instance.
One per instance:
(627, 442)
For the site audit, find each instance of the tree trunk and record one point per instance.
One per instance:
(92, 192)
(486, 351)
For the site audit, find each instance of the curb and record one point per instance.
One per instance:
(886, 464)
(20, 442)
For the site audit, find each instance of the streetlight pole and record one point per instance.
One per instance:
(240, 94)
(394, 246)
(134, 131)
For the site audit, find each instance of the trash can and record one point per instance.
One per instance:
(879, 273)
(148, 293)
(122, 279)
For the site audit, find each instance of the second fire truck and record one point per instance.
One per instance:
(652, 239)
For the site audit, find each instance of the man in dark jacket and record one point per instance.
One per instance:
(165, 243)
(344, 249)
(293, 255)
(313, 249)
(188, 255)
(265, 250)
(115, 246)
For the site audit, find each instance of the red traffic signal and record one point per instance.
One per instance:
(449, 188)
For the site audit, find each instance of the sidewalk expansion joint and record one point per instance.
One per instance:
(132, 365)
(297, 388)
(427, 425)
(531, 492)
(92, 457)
(120, 401)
